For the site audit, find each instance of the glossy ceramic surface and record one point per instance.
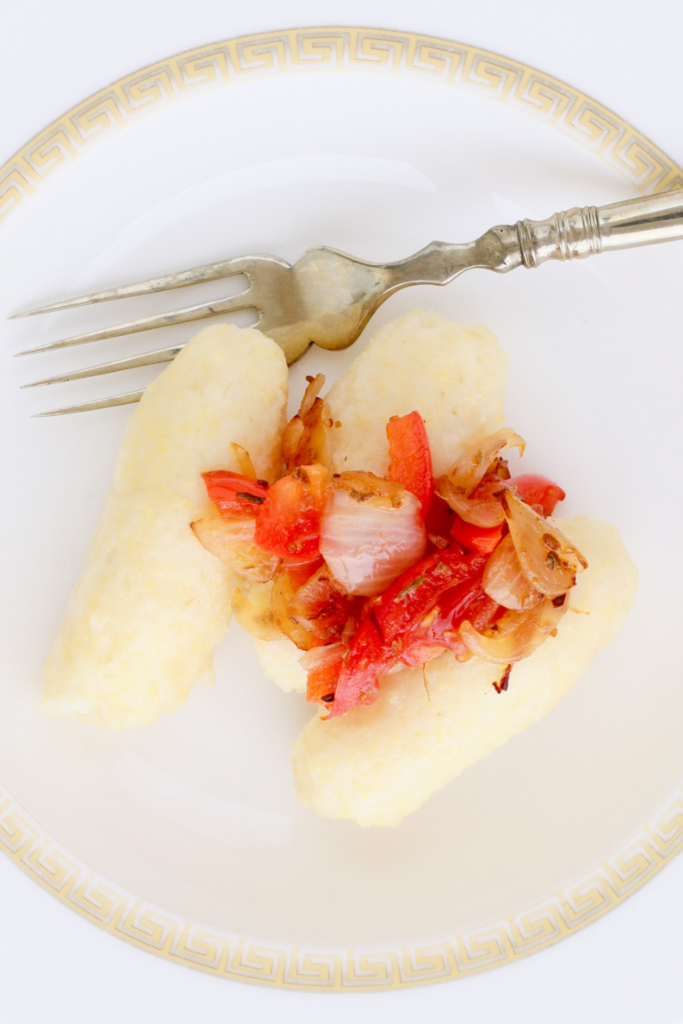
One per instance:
(186, 837)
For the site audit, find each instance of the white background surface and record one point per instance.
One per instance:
(626, 966)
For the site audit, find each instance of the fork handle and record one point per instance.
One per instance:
(577, 233)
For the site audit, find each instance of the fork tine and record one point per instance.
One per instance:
(147, 323)
(209, 272)
(102, 403)
(160, 355)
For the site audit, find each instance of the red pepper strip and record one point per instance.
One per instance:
(232, 492)
(417, 590)
(538, 490)
(368, 658)
(476, 538)
(410, 458)
(288, 522)
(321, 682)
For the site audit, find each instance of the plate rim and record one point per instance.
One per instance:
(304, 51)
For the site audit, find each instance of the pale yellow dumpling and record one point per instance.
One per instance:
(151, 604)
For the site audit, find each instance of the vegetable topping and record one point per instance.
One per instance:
(367, 574)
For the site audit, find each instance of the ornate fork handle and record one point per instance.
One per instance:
(571, 234)
(578, 233)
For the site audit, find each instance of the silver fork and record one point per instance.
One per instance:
(328, 297)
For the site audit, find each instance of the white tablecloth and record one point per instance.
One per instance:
(54, 966)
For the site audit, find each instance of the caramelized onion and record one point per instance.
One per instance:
(475, 461)
(283, 595)
(231, 538)
(370, 532)
(548, 560)
(483, 510)
(313, 614)
(244, 461)
(517, 634)
(504, 580)
(315, 386)
(255, 612)
(371, 489)
(321, 657)
(458, 486)
(305, 440)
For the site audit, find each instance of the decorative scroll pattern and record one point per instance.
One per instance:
(306, 51)
(243, 959)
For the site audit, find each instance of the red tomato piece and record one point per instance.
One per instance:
(438, 523)
(417, 590)
(416, 623)
(468, 601)
(368, 658)
(420, 652)
(232, 492)
(322, 607)
(410, 460)
(476, 538)
(538, 490)
(299, 571)
(371, 655)
(288, 522)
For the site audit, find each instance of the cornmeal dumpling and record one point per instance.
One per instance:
(151, 605)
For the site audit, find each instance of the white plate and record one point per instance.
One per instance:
(186, 837)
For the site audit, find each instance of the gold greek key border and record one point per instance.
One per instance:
(305, 51)
(311, 50)
(229, 956)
